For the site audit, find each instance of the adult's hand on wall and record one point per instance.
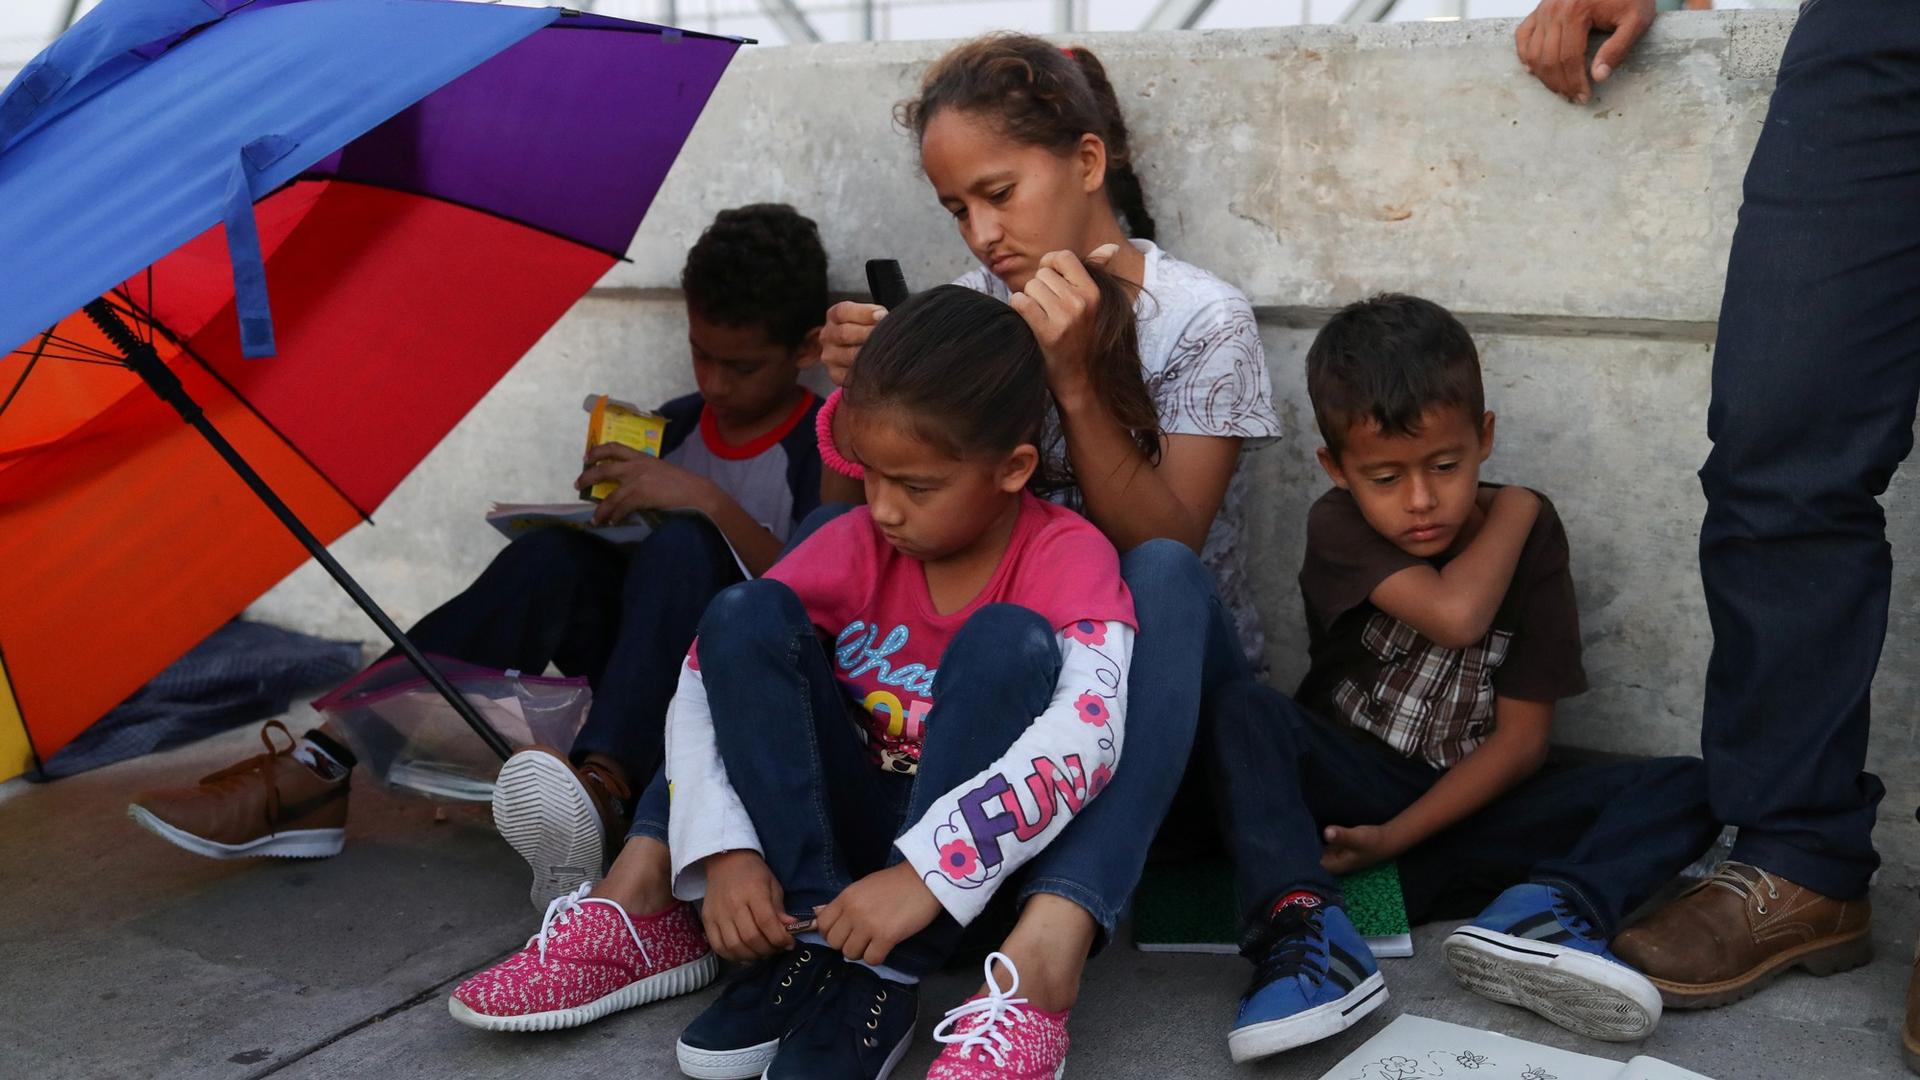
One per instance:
(1552, 41)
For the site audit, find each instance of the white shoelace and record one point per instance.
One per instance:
(1000, 1008)
(562, 909)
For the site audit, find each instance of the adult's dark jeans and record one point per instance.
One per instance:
(1186, 643)
(1608, 835)
(825, 814)
(621, 615)
(1814, 384)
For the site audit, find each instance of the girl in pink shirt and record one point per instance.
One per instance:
(910, 705)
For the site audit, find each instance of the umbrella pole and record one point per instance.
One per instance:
(146, 363)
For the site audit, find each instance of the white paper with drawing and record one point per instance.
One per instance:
(1416, 1048)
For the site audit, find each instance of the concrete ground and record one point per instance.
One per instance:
(123, 957)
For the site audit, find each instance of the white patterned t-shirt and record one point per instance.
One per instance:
(1204, 366)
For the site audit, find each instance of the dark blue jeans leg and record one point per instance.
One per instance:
(1281, 775)
(650, 812)
(1186, 641)
(1608, 834)
(1814, 383)
(671, 577)
(551, 596)
(996, 675)
(824, 813)
(1638, 824)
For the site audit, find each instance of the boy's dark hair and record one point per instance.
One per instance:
(969, 374)
(760, 265)
(1040, 95)
(1389, 359)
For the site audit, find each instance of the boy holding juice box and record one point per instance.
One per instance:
(740, 452)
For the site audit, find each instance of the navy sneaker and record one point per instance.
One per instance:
(1313, 977)
(738, 1035)
(1531, 948)
(857, 1027)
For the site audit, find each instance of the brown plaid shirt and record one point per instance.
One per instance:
(1427, 702)
(1382, 676)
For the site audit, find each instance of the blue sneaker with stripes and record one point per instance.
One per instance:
(1532, 948)
(1313, 977)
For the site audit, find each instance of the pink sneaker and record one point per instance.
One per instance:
(589, 959)
(1000, 1037)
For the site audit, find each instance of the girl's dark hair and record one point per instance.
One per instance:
(1040, 95)
(968, 374)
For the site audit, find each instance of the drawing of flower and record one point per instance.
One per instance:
(1101, 776)
(1399, 1068)
(958, 860)
(1092, 708)
(1087, 632)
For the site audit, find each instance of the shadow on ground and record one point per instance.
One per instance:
(124, 957)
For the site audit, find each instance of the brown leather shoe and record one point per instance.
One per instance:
(1735, 932)
(558, 817)
(269, 804)
(1910, 1034)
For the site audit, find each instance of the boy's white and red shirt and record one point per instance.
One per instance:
(885, 640)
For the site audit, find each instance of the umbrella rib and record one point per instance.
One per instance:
(175, 339)
(81, 347)
(22, 381)
(644, 28)
(50, 355)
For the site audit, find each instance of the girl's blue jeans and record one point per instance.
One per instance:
(788, 733)
(1186, 643)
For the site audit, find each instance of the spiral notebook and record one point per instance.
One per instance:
(1188, 907)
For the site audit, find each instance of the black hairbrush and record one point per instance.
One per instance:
(887, 284)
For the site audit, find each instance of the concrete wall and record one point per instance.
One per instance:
(1584, 245)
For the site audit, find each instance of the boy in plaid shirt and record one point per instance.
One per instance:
(1442, 630)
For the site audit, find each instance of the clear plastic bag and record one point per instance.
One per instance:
(410, 739)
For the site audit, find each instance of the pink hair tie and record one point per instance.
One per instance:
(823, 434)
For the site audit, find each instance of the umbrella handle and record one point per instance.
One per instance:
(146, 363)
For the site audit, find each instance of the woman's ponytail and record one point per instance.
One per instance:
(1123, 185)
(1113, 365)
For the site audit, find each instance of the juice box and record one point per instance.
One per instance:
(618, 422)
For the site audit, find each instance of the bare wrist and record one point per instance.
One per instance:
(1395, 833)
(1073, 397)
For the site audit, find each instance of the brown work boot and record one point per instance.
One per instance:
(1910, 1034)
(1733, 933)
(269, 804)
(558, 817)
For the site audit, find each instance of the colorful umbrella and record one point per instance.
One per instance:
(391, 199)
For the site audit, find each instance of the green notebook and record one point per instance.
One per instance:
(1188, 907)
